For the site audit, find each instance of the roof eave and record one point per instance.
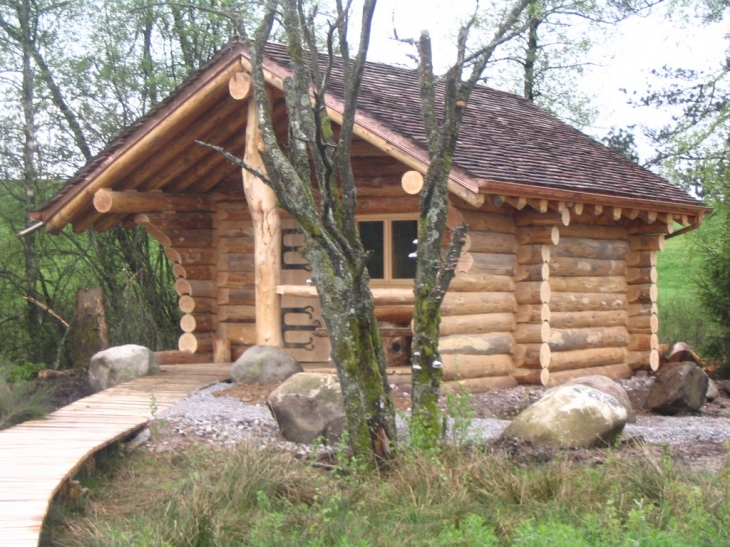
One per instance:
(61, 212)
(595, 198)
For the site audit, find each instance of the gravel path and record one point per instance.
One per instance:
(226, 421)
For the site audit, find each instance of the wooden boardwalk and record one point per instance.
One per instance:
(37, 457)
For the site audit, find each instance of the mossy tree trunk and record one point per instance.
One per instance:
(327, 213)
(443, 105)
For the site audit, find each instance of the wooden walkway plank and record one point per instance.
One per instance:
(37, 457)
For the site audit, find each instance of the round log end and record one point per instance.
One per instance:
(545, 292)
(188, 342)
(565, 217)
(187, 323)
(544, 376)
(103, 201)
(239, 85)
(545, 252)
(412, 182)
(555, 234)
(173, 256)
(545, 313)
(183, 287)
(187, 304)
(545, 331)
(654, 360)
(545, 355)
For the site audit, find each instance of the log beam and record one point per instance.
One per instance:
(110, 201)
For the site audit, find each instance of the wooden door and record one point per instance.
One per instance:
(302, 327)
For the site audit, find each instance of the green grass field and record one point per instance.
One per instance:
(248, 497)
(679, 267)
(682, 317)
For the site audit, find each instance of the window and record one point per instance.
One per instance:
(391, 242)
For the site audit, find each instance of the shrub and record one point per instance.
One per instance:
(20, 400)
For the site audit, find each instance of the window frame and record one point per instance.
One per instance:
(387, 219)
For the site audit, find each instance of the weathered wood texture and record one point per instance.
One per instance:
(642, 294)
(589, 319)
(190, 239)
(262, 204)
(235, 279)
(29, 479)
(478, 313)
(538, 237)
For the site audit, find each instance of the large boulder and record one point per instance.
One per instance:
(263, 364)
(608, 386)
(307, 406)
(678, 389)
(120, 364)
(570, 416)
(712, 391)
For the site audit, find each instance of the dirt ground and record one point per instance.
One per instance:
(502, 404)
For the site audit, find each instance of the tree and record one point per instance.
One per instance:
(74, 75)
(442, 111)
(327, 214)
(622, 141)
(544, 62)
(693, 151)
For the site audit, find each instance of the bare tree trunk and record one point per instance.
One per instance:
(333, 245)
(530, 58)
(434, 273)
(30, 175)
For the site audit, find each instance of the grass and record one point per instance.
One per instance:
(215, 497)
(20, 400)
(679, 265)
(682, 317)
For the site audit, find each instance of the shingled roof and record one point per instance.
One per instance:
(507, 144)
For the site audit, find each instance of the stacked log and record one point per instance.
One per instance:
(641, 295)
(190, 240)
(478, 311)
(234, 281)
(589, 304)
(537, 236)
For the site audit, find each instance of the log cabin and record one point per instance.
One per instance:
(557, 278)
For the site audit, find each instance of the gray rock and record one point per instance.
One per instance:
(678, 389)
(712, 391)
(307, 406)
(264, 365)
(120, 364)
(608, 386)
(576, 416)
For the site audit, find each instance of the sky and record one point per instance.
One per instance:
(623, 61)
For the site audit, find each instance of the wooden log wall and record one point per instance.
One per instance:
(587, 324)
(478, 315)
(641, 295)
(235, 280)
(589, 309)
(537, 243)
(190, 242)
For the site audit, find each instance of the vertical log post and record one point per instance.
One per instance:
(267, 238)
